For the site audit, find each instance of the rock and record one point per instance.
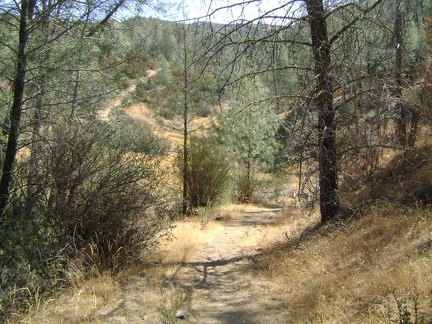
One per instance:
(181, 314)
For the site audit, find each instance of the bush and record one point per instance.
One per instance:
(208, 174)
(138, 137)
(82, 199)
(245, 190)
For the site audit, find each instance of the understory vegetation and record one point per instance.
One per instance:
(373, 269)
(86, 205)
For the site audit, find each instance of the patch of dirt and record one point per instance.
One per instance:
(221, 283)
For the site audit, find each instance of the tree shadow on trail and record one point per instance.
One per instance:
(223, 286)
(241, 316)
(225, 290)
(208, 268)
(261, 218)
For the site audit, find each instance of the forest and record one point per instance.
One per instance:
(336, 92)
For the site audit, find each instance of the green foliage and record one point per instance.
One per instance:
(406, 310)
(176, 73)
(247, 132)
(8, 34)
(208, 174)
(249, 126)
(88, 199)
(5, 100)
(137, 135)
(164, 77)
(89, 190)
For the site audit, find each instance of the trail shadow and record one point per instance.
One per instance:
(223, 289)
(204, 267)
(224, 285)
(261, 217)
(241, 316)
(221, 262)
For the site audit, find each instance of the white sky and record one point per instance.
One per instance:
(249, 11)
(199, 9)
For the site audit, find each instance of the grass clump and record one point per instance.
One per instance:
(170, 305)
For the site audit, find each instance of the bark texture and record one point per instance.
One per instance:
(27, 8)
(323, 100)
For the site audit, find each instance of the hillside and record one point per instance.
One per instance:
(257, 265)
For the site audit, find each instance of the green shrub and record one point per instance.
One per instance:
(138, 136)
(83, 199)
(208, 174)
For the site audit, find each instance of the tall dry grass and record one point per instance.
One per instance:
(83, 303)
(373, 269)
(187, 237)
(365, 272)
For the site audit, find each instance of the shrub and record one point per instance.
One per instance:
(208, 174)
(406, 310)
(138, 137)
(245, 190)
(82, 199)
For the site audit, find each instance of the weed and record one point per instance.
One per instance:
(405, 310)
(203, 214)
(170, 305)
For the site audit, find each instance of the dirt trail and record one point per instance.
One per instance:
(222, 280)
(220, 284)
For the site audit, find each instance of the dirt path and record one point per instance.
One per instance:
(222, 281)
(220, 284)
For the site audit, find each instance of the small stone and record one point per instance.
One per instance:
(181, 314)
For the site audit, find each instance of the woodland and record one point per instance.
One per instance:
(337, 92)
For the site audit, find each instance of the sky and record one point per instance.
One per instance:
(179, 10)
(249, 11)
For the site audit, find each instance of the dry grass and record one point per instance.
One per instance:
(228, 212)
(273, 237)
(190, 234)
(354, 274)
(373, 269)
(84, 303)
(187, 236)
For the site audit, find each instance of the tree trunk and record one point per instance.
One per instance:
(401, 111)
(17, 103)
(407, 118)
(329, 198)
(185, 128)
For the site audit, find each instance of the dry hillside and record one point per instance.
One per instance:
(250, 264)
(256, 265)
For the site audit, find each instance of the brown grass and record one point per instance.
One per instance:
(190, 234)
(228, 212)
(84, 303)
(354, 274)
(366, 270)
(187, 236)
